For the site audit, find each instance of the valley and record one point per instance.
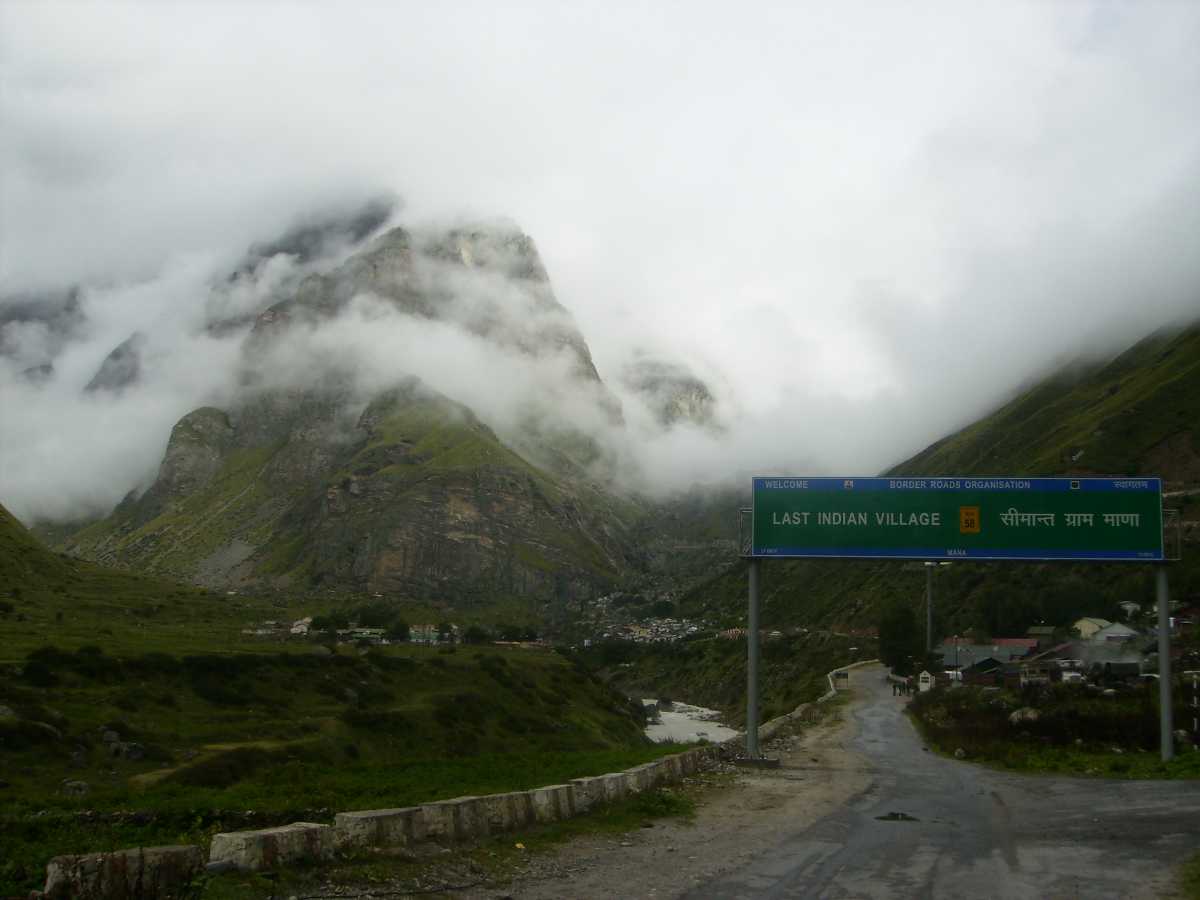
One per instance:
(347, 587)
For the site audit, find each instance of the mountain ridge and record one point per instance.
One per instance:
(1137, 413)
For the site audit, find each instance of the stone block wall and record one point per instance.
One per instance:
(252, 851)
(147, 873)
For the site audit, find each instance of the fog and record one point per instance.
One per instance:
(862, 225)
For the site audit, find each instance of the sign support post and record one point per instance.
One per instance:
(1166, 724)
(928, 608)
(752, 665)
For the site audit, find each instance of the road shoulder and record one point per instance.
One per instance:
(735, 822)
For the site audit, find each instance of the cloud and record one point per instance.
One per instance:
(863, 224)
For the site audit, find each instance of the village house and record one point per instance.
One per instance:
(1042, 634)
(1115, 632)
(1130, 609)
(1089, 625)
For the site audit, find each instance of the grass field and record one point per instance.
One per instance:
(174, 748)
(134, 711)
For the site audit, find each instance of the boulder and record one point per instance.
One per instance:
(1024, 714)
(130, 750)
(75, 788)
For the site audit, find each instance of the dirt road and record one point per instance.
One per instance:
(818, 774)
(860, 809)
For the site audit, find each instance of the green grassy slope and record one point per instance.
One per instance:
(178, 726)
(70, 603)
(1099, 418)
(1136, 414)
(173, 749)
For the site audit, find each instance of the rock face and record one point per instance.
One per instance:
(121, 368)
(674, 394)
(488, 280)
(412, 496)
(310, 240)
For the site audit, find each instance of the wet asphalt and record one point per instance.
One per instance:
(931, 827)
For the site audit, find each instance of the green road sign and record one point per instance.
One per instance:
(1099, 519)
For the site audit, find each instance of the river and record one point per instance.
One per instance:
(686, 724)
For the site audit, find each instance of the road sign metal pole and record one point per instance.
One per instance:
(1195, 707)
(1164, 667)
(928, 607)
(752, 666)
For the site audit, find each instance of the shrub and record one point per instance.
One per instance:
(220, 691)
(39, 674)
(91, 663)
(224, 769)
(389, 723)
(465, 707)
(392, 663)
(21, 735)
(154, 664)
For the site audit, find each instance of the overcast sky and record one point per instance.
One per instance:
(866, 224)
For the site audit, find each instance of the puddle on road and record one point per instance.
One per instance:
(897, 817)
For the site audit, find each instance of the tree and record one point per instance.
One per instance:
(509, 632)
(330, 621)
(476, 635)
(900, 638)
(398, 630)
(373, 615)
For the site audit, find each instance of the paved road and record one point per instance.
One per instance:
(973, 832)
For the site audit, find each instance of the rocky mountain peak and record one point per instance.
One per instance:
(672, 391)
(122, 367)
